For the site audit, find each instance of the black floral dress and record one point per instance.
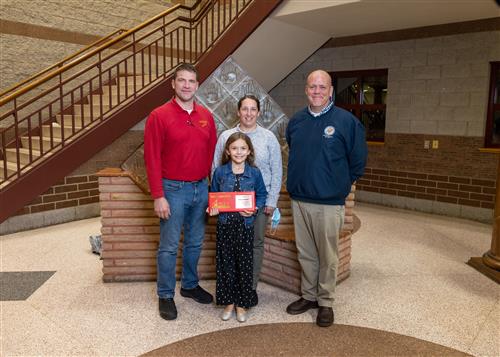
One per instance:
(234, 260)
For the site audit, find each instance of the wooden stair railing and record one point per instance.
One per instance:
(51, 125)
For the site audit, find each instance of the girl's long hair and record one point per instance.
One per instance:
(236, 136)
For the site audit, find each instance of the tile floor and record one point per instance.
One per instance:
(408, 276)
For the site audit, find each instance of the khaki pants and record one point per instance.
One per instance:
(317, 231)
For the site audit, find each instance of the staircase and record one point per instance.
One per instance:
(56, 120)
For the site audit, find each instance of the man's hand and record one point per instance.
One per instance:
(268, 210)
(162, 208)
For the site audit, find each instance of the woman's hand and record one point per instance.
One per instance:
(268, 210)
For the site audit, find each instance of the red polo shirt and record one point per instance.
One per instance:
(178, 145)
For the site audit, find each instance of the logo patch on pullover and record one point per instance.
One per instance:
(328, 132)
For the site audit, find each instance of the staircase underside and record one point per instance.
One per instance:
(53, 168)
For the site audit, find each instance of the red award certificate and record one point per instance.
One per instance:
(232, 201)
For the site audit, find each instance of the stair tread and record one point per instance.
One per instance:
(55, 126)
(10, 165)
(24, 151)
(44, 138)
(69, 117)
(94, 103)
(77, 115)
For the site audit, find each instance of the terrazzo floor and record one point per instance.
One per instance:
(408, 276)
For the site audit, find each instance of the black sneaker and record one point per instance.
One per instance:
(168, 311)
(198, 295)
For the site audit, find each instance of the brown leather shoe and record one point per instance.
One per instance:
(325, 316)
(300, 306)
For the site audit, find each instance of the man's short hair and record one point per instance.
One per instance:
(185, 67)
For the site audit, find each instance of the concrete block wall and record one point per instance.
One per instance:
(54, 29)
(437, 90)
(445, 73)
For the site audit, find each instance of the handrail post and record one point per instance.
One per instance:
(16, 133)
(4, 154)
(51, 129)
(40, 125)
(61, 93)
(134, 62)
(30, 146)
(99, 65)
(164, 31)
(190, 36)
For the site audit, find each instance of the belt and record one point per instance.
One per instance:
(197, 181)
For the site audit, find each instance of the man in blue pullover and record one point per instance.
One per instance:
(327, 153)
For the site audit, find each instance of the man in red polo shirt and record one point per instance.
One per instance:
(179, 144)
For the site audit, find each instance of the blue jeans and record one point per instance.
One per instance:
(188, 202)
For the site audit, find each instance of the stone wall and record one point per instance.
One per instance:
(437, 90)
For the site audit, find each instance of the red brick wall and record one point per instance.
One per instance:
(457, 172)
(69, 192)
(130, 233)
(281, 267)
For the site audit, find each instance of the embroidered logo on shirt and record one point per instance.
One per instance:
(203, 122)
(328, 132)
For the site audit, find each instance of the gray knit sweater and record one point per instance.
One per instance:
(267, 158)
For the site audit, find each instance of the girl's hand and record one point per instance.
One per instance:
(247, 213)
(213, 211)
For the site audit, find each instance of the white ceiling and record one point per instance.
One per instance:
(297, 28)
(338, 18)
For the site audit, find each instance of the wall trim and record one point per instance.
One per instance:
(48, 218)
(490, 24)
(483, 215)
(9, 27)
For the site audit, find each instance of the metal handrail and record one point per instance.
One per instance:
(60, 63)
(132, 67)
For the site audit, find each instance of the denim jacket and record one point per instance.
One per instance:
(251, 180)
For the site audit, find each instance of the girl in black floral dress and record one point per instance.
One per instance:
(235, 234)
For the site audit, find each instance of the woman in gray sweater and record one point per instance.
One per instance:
(267, 159)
